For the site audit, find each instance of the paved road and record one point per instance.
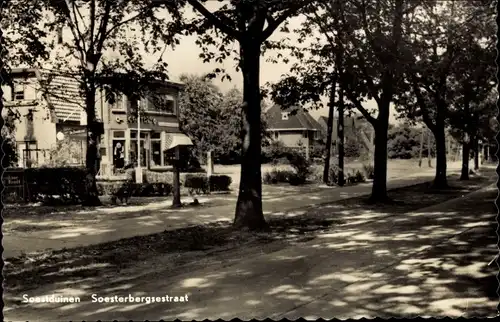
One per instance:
(157, 218)
(431, 262)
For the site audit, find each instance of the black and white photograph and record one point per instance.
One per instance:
(284, 159)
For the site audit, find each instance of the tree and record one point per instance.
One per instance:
(199, 115)
(249, 23)
(370, 42)
(212, 119)
(439, 34)
(9, 150)
(474, 78)
(87, 31)
(316, 75)
(404, 142)
(231, 142)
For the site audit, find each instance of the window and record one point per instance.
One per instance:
(284, 115)
(160, 103)
(276, 135)
(305, 134)
(144, 147)
(156, 155)
(316, 135)
(29, 153)
(133, 135)
(18, 90)
(120, 103)
(119, 134)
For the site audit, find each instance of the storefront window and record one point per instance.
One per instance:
(156, 153)
(144, 148)
(156, 157)
(133, 153)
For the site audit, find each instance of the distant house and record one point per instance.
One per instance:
(353, 127)
(295, 130)
(52, 109)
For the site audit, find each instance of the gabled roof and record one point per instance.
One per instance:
(323, 122)
(351, 125)
(301, 120)
(63, 95)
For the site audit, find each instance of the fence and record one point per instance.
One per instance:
(15, 186)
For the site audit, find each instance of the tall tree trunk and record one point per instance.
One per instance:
(465, 160)
(92, 161)
(440, 181)
(176, 181)
(249, 205)
(328, 154)
(486, 149)
(476, 154)
(429, 150)
(421, 148)
(381, 127)
(340, 138)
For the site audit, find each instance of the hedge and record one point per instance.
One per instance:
(276, 176)
(44, 183)
(150, 176)
(200, 184)
(138, 189)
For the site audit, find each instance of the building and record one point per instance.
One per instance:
(354, 126)
(297, 129)
(52, 109)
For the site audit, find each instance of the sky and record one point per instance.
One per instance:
(184, 59)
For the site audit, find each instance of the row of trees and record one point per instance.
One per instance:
(428, 59)
(419, 56)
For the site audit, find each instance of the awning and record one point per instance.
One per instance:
(175, 139)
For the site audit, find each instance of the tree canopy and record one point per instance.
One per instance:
(212, 119)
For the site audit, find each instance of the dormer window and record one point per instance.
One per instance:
(284, 116)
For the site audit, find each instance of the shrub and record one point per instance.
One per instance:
(316, 173)
(196, 184)
(275, 152)
(369, 171)
(296, 179)
(65, 153)
(277, 176)
(359, 177)
(350, 178)
(152, 176)
(67, 183)
(317, 151)
(149, 176)
(301, 166)
(219, 182)
(333, 177)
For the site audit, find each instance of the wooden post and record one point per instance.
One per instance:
(176, 186)
(210, 163)
(138, 169)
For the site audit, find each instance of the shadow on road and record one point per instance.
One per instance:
(349, 259)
